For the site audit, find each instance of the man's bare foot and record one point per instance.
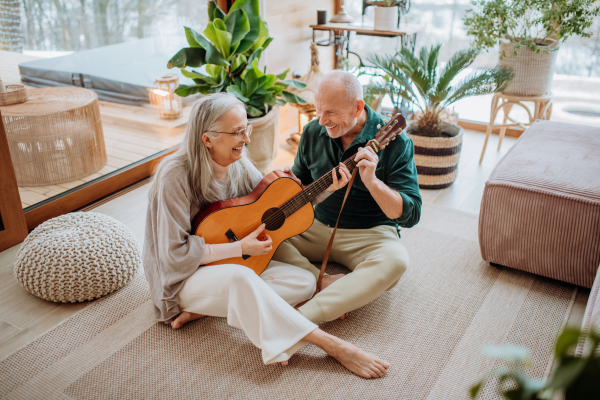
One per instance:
(354, 359)
(184, 318)
(329, 279)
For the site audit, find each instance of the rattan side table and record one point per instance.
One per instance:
(55, 136)
(542, 109)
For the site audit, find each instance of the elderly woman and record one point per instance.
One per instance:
(211, 165)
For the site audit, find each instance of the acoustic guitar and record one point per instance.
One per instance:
(279, 202)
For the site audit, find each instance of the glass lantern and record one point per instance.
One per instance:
(163, 96)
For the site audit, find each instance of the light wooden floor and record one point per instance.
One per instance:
(23, 316)
(130, 134)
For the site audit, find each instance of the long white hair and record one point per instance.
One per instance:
(195, 158)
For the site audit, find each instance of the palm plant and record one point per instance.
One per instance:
(431, 88)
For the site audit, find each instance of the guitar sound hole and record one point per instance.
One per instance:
(274, 219)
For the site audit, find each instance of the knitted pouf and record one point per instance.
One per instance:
(77, 257)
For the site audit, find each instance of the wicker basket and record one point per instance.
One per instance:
(14, 94)
(56, 136)
(533, 71)
(437, 157)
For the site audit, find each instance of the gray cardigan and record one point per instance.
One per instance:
(171, 254)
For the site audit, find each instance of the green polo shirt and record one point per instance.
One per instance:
(318, 154)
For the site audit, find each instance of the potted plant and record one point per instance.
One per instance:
(575, 378)
(528, 32)
(431, 88)
(227, 55)
(386, 15)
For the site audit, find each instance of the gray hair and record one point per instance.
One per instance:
(353, 90)
(194, 157)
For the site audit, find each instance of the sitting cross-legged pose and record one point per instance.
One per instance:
(384, 196)
(210, 166)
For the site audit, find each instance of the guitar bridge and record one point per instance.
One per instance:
(233, 238)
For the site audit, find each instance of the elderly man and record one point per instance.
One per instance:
(384, 196)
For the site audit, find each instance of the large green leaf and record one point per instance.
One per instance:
(283, 74)
(567, 339)
(253, 111)
(213, 56)
(188, 57)
(252, 12)
(263, 35)
(184, 90)
(214, 11)
(292, 98)
(238, 25)
(295, 84)
(254, 56)
(237, 91)
(216, 32)
(265, 82)
(568, 370)
(267, 43)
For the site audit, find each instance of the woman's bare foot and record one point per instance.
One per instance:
(283, 363)
(344, 316)
(184, 318)
(354, 359)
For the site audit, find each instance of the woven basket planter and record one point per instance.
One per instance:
(533, 71)
(437, 157)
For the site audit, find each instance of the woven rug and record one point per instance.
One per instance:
(430, 327)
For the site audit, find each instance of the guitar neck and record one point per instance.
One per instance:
(312, 191)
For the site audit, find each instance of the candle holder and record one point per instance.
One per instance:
(13, 94)
(163, 96)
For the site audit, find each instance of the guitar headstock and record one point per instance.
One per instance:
(389, 131)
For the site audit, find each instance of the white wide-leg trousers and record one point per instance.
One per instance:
(261, 306)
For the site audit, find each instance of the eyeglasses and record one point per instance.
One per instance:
(240, 134)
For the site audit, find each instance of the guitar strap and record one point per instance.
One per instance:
(330, 245)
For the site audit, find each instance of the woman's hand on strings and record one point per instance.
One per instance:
(257, 243)
(342, 181)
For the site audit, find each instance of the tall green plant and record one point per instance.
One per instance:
(431, 88)
(577, 377)
(229, 51)
(528, 22)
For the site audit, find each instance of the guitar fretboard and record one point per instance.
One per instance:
(313, 190)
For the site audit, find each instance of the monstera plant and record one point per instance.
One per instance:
(228, 54)
(226, 57)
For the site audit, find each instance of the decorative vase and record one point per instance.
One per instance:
(264, 142)
(533, 71)
(436, 158)
(386, 18)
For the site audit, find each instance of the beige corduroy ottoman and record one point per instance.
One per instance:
(540, 210)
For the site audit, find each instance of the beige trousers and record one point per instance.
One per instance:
(375, 256)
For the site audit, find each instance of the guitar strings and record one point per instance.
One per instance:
(304, 197)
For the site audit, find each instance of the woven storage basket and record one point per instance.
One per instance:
(55, 136)
(77, 257)
(14, 94)
(437, 157)
(533, 71)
